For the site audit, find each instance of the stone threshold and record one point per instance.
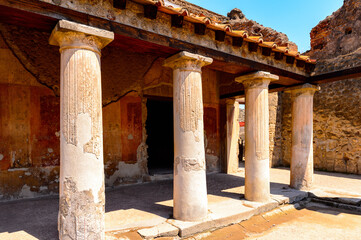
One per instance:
(233, 211)
(222, 214)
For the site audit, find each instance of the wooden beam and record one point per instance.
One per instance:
(240, 94)
(350, 73)
(220, 35)
(200, 28)
(177, 21)
(237, 41)
(120, 4)
(150, 11)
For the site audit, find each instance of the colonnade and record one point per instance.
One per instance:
(81, 207)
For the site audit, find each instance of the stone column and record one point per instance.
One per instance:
(232, 135)
(302, 136)
(190, 190)
(257, 182)
(81, 193)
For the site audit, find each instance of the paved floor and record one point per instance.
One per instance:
(151, 203)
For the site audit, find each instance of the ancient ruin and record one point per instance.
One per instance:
(105, 93)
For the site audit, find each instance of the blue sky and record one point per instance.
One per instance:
(296, 18)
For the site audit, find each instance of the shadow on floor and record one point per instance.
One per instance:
(38, 217)
(341, 175)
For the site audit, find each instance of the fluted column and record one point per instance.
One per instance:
(257, 180)
(232, 135)
(190, 190)
(302, 136)
(81, 193)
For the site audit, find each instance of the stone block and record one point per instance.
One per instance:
(162, 230)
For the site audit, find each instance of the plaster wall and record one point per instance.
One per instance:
(29, 132)
(29, 122)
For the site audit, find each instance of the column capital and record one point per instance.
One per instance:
(68, 34)
(187, 61)
(303, 89)
(257, 79)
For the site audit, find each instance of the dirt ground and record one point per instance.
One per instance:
(312, 222)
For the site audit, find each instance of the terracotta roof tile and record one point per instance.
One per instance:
(292, 53)
(216, 25)
(281, 49)
(196, 19)
(255, 39)
(269, 44)
(153, 2)
(182, 11)
(238, 33)
(222, 27)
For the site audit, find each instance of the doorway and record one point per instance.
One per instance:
(160, 141)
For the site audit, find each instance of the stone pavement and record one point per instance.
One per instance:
(150, 204)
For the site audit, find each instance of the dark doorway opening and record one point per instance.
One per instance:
(160, 140)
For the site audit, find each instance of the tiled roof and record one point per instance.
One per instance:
(238, 36)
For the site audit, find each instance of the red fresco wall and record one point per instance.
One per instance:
(131, 125)
(29, 131)
(29, 125)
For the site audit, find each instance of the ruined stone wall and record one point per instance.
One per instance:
(285, 130)
(337, 127)
(335, 43)
(337, 131)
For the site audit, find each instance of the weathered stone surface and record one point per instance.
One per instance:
(190, 190)
(81, 192)
(257, 185)
(275, 126)
(339, 33)
(335, 41)
(337, 121)
(239, 22)
(302, 136)
(162, 230)
(336, 127)
(232, 136)
(336, 44)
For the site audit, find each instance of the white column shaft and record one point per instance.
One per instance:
(190, 190)
(302, 137)
(257, 175)
(257, 183)
(82, 199)
(232, 136)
